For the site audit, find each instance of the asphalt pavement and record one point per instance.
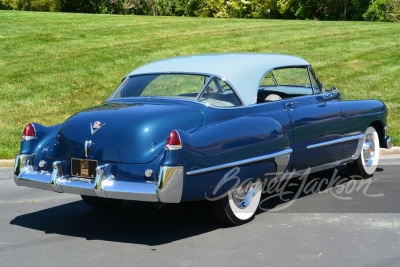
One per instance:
(348, 222)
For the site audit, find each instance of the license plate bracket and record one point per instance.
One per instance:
(83, 168)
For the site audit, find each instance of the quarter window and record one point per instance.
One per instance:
(219, 93)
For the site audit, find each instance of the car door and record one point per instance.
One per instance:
(315, 117)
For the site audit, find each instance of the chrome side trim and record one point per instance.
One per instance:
(315, 169)
(337, 141)
(242, 162)
(359, 148)
(170, 184)
(29, 138)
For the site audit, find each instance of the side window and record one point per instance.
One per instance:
(297, 77)
(219, 93)
(284, 83)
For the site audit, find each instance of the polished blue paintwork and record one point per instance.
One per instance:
(135, 131)
(210, 136)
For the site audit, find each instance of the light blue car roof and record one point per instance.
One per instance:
(243, 71)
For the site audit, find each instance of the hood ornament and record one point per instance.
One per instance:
(96, 126)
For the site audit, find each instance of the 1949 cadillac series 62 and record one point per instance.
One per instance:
(175, 127)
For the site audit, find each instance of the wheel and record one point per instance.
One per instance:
(239, 206)
(102, 203)
(367, 162)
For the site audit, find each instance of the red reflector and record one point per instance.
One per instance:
(29, 132)
(173, 141)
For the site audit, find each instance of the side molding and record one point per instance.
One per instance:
(337, 141)
(242, 162)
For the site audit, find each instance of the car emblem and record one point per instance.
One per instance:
(95, 127)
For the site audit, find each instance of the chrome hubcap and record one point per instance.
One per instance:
(242, 196)
(369, 150)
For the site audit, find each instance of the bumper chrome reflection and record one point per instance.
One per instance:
(167, 190)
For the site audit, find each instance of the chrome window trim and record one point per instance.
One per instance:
(319, 84)
(204, 87)
(273, 78)
(183, 73)
(336, 141)
(242, 162)
(123, 82)
(309, 77)
(182, 99)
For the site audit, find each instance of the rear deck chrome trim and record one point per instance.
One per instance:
(242, 162)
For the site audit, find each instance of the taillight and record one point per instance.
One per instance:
(173, 141)
(29, 133)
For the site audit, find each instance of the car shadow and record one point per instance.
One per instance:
(134, 222)
(280, 197)
(139, 222)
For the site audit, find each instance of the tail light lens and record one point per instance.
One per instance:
(173, 141)
(29, 133)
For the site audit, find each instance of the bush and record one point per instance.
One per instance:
(383, 10)
(32, 5)
(242, 8)
(376, 10)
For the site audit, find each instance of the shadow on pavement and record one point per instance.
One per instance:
(134, 222)
(139, 222)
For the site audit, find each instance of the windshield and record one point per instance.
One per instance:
(217, 92)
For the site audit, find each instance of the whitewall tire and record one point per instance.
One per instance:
(368, 160)
(240, 205)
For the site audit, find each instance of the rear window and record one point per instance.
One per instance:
(216, 92)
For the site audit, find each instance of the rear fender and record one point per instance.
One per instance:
(44, 136)
(223, 143)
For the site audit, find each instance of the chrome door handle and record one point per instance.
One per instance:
(291, 104)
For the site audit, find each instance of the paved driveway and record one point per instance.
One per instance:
(339, 226)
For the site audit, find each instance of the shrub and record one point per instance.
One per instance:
(383, 10)
(32, 5)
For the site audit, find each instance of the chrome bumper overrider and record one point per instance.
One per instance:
(387, 140)
(167, 189)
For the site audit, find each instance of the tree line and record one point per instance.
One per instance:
(369, 10)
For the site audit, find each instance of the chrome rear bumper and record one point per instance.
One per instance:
(167, 189)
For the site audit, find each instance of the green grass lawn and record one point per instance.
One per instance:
(55, 64)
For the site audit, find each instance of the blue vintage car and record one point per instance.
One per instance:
(201, 127)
